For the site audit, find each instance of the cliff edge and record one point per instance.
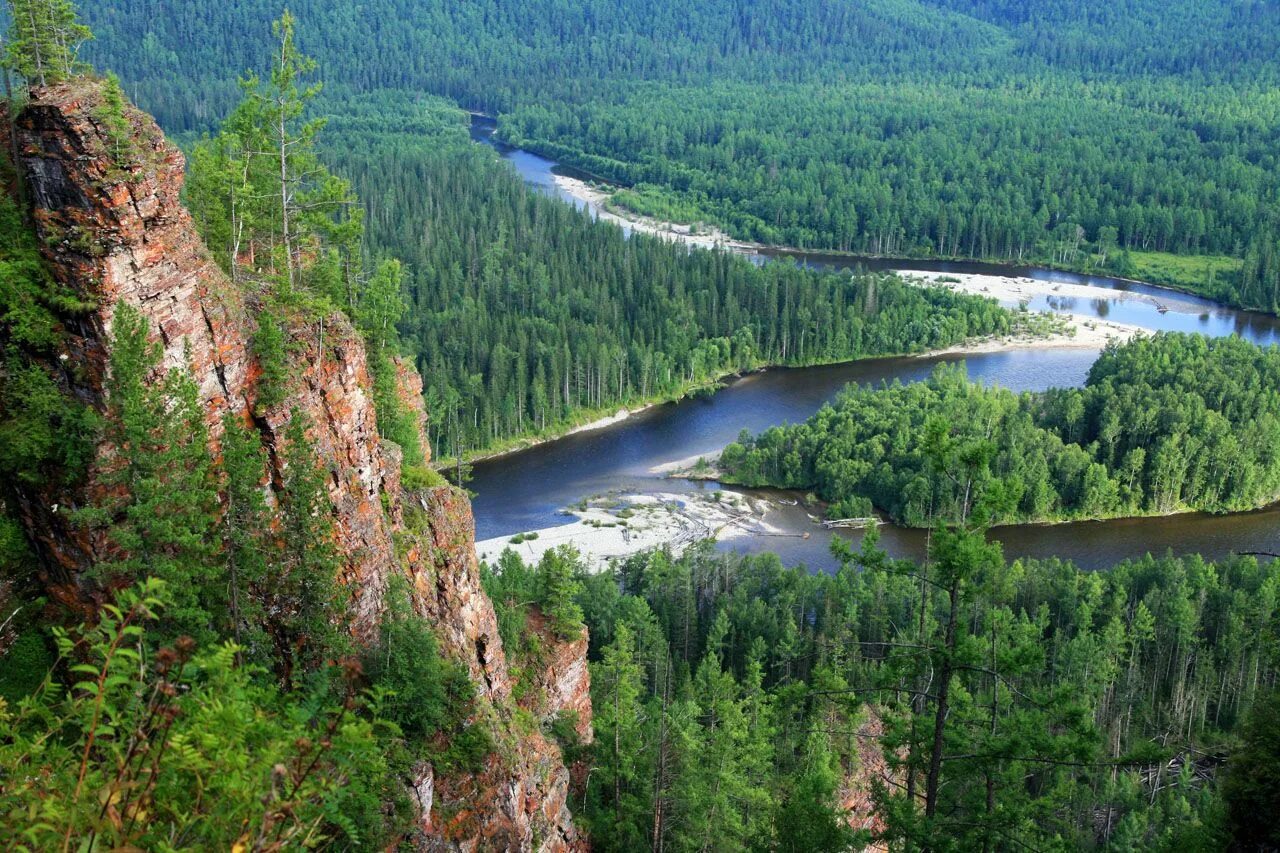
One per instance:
(118, 234)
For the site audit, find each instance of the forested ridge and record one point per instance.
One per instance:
(1081, 135)
(1163, 424)
(743, 705)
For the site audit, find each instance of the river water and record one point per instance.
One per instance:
(527, 490)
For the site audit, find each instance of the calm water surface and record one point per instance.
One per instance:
(527, 490)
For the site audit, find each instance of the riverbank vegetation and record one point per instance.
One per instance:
(526, 318)
(524, 314)
(1162, 425)
(1030, 705)
(1064, 134)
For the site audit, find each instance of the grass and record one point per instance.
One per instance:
(1202, 272)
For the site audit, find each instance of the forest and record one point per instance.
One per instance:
(1163, 424)
(526, 317)
(214, 695)
(988, 705)
(1074, 136)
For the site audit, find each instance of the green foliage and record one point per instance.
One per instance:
(159, 505)
(621, 773)
(265, 203)
(44, 433)
(307, 598)
(114, 123)
(406, 663)
(525, 315)
(716, 677)
(415, 477)
(25, 664)
(379, 304)
(807, 821)
(1163, 424)
(1252, 785)
(558, 586)
(1060, 132)
(44, 39)
(397, 421)
(181, 749)
(429, 697)
(246, 538)
(271, 353)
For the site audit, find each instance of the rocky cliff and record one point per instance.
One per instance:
(117, 233)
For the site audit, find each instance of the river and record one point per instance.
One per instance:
(527, 490)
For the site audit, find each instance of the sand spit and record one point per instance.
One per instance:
(609, 527)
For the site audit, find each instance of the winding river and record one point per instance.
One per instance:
(527, 490)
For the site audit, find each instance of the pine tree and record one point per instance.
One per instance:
(44, 40)
(161, 512)
(308, 594)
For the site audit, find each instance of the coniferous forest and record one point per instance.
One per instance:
(1088, 136)
(1164, 424)
(268, 630)
(524, 314)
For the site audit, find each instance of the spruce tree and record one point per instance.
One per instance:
(44, 40)
(160, 510)
(557, 588)
(308, 592)
(245, 530)
(619, 784)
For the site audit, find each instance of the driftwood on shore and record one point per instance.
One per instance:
(849, 522)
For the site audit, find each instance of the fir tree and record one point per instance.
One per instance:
(161, 510)
(44, 40)
(308, 594)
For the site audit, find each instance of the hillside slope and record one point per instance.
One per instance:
(118, 236)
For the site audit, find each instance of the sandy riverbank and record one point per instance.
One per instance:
(707, 237)
(608, 420)
(1083, 331)
(1087, 332)
(614, 526)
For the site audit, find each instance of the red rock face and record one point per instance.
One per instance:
(522, 793)
(121, 236)
(562, 681)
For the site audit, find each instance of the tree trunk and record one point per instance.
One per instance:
(940, 717)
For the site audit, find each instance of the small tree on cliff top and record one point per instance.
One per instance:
(43, 43)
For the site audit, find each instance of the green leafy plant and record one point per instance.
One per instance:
(180, 748)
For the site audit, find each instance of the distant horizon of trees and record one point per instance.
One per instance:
(1062, 134)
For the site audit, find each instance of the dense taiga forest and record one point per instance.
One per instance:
(1101, 135)
(1164, 424)
(524, 314)
(240, 610)
(734, 696)
(526, 317)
